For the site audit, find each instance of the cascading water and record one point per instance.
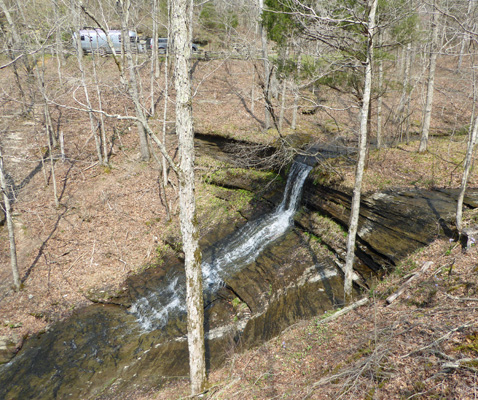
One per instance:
(220, 261)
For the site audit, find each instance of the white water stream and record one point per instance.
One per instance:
(241, 248)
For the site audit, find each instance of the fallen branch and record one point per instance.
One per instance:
(441, 355)
(460, 298)
(343, 311)
(362, 368)
(446, 336)
(337, 314)
(466, 363)
(422, 270)
(326, 380)
(218, 390)
(91, 166)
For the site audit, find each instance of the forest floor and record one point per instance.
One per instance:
(111, 222)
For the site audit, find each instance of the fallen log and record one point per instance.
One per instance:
(343, 311)
(402, 288)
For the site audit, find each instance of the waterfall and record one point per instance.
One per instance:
(225, 258)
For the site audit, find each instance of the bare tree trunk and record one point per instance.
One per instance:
(165, 116)
(468, 162)
(134, 86)
(466, 35)
(402, 111)
(154, 57)
(79, 55)
(355, 208)
(379, 105)
(49, 137)
(296, 91)
(466, 174)
(253, 89)
(16, 47)
(60, 56)
(401, 61)
(182, 38)
(48, 122)
(101, 142)
(11, 230)
(166, 101)
(285, 55)
(406, 76)
(431, 82)
(267, 72)
(49, 134)
(282, 104)
(62, 146)
(76, 16)
(380, 100)
(162, 188)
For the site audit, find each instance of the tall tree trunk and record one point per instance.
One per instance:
(431, 82)
(285, 56)
(380, 100)
(102, 145)
(466, 174)
(355, 208)
(75, 11)
(182, 39)
(91, 116)
(166, 102)
(296, 90)
(253, 89)
(11, 230)
(468, 162)
(133, 79)
(267, 71)
(49, 134)
(60, 56)
(466, 35)
(154, 58)
(62, 146)
(402, 112)
(282, 104)
(16, 47)
(165, 116)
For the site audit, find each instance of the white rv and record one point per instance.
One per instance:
(94, 40)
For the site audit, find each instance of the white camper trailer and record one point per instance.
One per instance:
(94, 40)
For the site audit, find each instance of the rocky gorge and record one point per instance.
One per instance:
(102, 349)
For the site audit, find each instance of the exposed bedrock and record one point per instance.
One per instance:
(392, 224)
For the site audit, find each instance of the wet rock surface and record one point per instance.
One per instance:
(291, 280)
(99, 351)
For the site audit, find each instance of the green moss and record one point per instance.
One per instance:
(236, 301)
(469, 345)
(313, 237)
